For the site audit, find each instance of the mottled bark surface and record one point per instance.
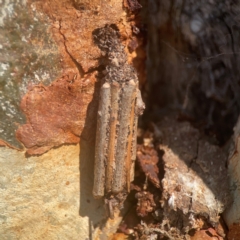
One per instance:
(232, 214)
(69, 58)
(56, 113)
(190, 170)
(50, 72)
(27, 50)
(194, 171)
(192, 70)
(193, 63)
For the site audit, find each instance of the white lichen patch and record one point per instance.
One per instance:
(7, 9)
(26, 50)
(4, 66)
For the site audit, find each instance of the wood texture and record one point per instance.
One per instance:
(115, 91)
(102, 141)
(124, 119)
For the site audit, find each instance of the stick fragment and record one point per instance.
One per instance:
(101, 141)
(130, 142)
(124, 119)
(139, 108)
(115, 90)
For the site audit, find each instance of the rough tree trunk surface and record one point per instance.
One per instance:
(49, 96)
(196, 74)
(51, 72)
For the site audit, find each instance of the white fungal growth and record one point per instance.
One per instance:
(171, 201)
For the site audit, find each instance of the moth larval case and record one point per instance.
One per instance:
(114, 140)
(118, 115)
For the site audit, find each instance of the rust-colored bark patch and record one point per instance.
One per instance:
(55, 114)
(145, 204)
(208, 234)
(234, 232)
(132, 5)
(147, 158)
(5, 144)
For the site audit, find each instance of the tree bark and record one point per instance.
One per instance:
(50, 81)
